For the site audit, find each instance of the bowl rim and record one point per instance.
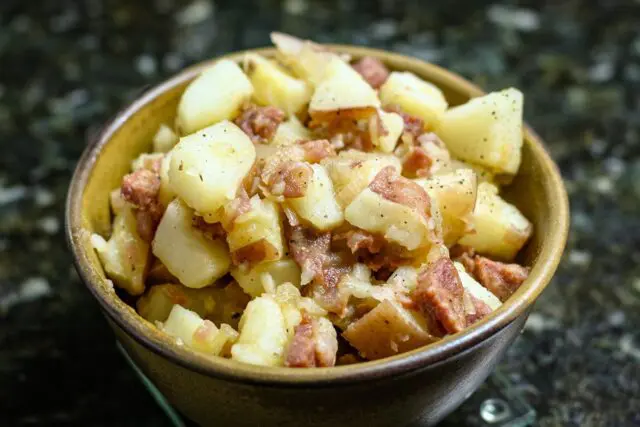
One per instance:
(143, 332)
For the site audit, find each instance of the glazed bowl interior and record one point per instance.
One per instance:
(537, 191)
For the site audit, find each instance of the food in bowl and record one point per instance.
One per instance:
(308, 212)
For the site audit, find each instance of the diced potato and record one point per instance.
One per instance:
(414, 96)
(476, 289)
(166, 193)
(263, 334)
(482, 174)
(396, 222)
(214, 341)
(116, 201)
(486, 131)
(195, 260)
(387, 330)
(342, 88)
(182, 324)
(251, 280)
(258, 228)
(216, 95)
(319, 205)
(125, 256)
(230, 303)
(274, 86)
(352, 171)
(146, 161)
(157, 302)
(308, 60)
(456, 196)
(208, 167)
(164, 139)
(500, 229)
(290, 132)
(406, 277)
(394, 126)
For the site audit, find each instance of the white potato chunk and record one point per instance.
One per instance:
(456, 196)
(396, 222)
(257, 233)
(394, 126)
(166, 193)
(352, 171)
(263, 334)
(216, 95)
(486, 131)
(405, 277)
(414, 96)
(116, 201)
(125, 256)
(289, 132)
(157, 302)
(191, 257)
(146, 161)
(274, 86)
(212, 340)
(182, 324)
(319, 205)
(342, 88)
(500, 229)
(476, 289)
(208, 167)
(387, 330)
(482, 174)
(253, 279)
(164, 139)
(307, 59)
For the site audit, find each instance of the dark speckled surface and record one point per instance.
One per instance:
(66, 66)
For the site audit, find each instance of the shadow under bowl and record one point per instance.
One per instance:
(421, 386)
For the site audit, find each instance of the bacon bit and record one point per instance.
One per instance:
(481, 310)
(260, 123)
(238, 206)
(301, 351)
(413, 125)
(141, 188)
(210, 231)
(399, 189)
(290, 180)
(372, 70)
(254, 252)
(465, 256)
(309, 249)
(316, 150)
(312, 252)
(373, 251)
(500, 278)
(416, 163)
(440, 293)
(311, 346)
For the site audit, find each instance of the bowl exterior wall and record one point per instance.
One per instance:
(419, 398)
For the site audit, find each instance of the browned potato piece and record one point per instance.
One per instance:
(387, 330)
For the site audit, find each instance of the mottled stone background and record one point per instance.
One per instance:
(66, 66)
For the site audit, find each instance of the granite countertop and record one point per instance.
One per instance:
(67, 66)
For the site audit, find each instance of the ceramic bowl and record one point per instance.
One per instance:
(415, 388)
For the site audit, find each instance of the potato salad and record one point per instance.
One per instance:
(311, 209)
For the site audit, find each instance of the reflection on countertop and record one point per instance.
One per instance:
(67, 66)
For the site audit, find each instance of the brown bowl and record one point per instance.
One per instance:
(422, 386)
